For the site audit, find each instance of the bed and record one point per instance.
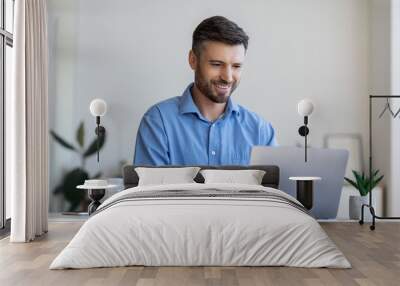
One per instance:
(201, 224)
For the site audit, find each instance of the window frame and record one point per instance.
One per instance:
(6, 39)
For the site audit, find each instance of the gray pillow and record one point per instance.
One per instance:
(163, 176)
(249, 177)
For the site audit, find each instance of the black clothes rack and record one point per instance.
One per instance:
(369, 205)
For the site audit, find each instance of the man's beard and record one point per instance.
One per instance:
(206, 88)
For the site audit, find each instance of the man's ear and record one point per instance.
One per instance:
(192, 60)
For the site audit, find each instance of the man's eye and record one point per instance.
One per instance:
(215, 64)
(237, 67)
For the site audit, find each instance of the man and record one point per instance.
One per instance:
(204, 126)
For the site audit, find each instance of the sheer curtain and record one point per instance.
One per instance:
(28, 148)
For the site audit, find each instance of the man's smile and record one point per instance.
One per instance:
(222, 88)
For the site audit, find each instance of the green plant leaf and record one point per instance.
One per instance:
(80, 134)
(355, 173)
(364, 192)
(93, 147)
(72, 179)
(358, 178)
(362, 183)
(376, 181)
(61, 141)
(351, 182)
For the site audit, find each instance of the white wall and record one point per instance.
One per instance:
(134, 54)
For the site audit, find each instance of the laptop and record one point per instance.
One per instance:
(329, 164)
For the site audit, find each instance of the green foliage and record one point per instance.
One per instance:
(364, 184)
(78, 175)
(68, 185)
(80, 135)
(93, 146)
(61, 141)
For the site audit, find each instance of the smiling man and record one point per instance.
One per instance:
(204, 126)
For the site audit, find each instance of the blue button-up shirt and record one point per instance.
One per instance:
(174, 132)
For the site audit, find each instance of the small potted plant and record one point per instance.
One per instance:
(363, 184)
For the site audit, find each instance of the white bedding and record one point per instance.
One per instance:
(200, 231)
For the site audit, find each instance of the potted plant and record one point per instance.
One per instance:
(78, 175)
(363, 184)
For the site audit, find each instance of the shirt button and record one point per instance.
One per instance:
(213, 152)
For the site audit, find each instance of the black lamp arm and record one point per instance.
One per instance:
(100, 131)
(303, 131)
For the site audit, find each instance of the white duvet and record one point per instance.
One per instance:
(200, 231)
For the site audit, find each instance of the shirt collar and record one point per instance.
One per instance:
(187, 105)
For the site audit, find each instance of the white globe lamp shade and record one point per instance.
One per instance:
(98, 107)
(305, 107)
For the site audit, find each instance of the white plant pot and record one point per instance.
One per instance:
(355, 203)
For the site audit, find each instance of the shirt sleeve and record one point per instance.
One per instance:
(270, 135)
(151, 141)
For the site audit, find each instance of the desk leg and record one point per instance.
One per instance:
(95, 195)
(305, 193)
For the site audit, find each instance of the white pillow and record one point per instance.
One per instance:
(249, 177)
(164, 176)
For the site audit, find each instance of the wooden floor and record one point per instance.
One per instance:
(374, 255)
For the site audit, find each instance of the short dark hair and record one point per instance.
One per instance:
(219, 29)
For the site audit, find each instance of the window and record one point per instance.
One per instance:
(6, 44)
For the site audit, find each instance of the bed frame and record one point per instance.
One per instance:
(270, 179)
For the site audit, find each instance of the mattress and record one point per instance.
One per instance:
(201, 225)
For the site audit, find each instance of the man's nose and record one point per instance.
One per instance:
(227, 75)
